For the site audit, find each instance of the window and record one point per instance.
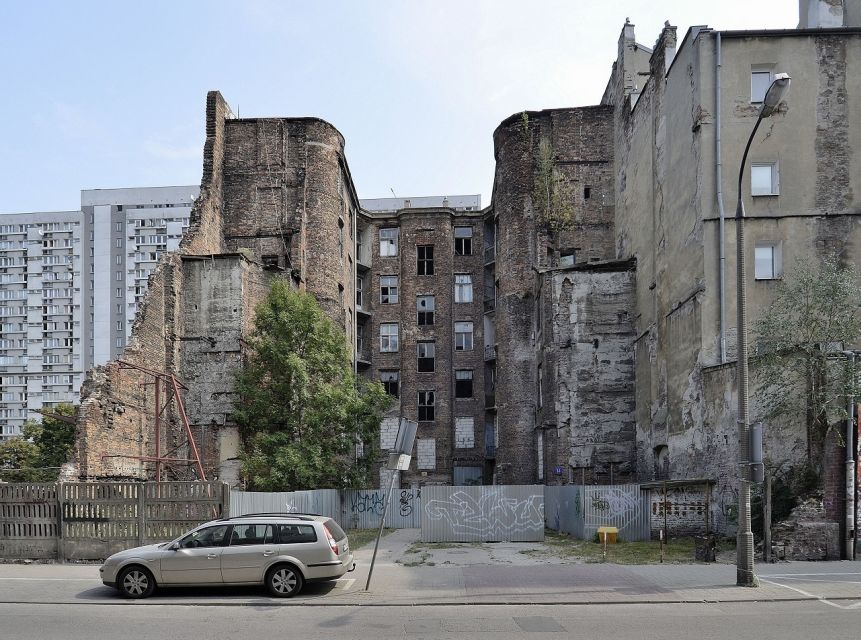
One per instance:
(341, 238)
(425, 306)
(389, 242)
(119, 243)
(388, 289)
(391, 382)
(389, 337)
(119, 293)
(118, 259)
(244, 535)
(463, 336)
(587, 193)
(293, 533)
(463, 384)
(360, 282)
(118, 276)
(567, 257)
(426, 406)
(763, 179)
(119, 325)
(426, 356)
(209, 537)
(760, 80)
(463, 241)
(424, 259)
(540, 385)
(462, 287)
(768, 261)
(119, 343)
(118, 226)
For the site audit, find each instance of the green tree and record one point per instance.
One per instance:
(551, 194)
(302, 412)
(54, 437)
(18, 461)
(813, 317)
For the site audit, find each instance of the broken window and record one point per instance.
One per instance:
(424, 260)
(463, 384)
(426, 356)
(426, 406)
(425, 306)
(463, 241)
(391, 382)
(463, 336)
(388, 289)
(462, 287)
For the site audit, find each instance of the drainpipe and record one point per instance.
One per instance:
(849, 539)
(719, 191)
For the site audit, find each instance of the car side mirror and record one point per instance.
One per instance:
(174, 547)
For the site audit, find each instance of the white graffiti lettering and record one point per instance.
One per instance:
(491, 512)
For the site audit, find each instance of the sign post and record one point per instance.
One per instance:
(399, 460)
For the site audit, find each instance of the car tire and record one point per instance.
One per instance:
(136, 582)
(284, 581)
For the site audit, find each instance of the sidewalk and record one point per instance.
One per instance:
(514, 578)
(408, 573)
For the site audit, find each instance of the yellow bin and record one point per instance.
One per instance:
(609, 532)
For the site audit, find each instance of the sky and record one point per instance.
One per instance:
(112, 94)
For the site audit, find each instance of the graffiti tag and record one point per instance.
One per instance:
(492, 511)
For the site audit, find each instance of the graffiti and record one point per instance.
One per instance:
(367, 502)
(492, 513)
(291, 509)
(406, 507)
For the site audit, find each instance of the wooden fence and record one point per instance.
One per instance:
(91, 520)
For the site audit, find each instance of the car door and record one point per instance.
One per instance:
(196, 558)
(247, 552)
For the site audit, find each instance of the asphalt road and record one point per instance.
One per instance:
(130, 621)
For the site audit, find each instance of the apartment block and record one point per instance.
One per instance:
(41, 358)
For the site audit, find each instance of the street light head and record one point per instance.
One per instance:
(775, 94)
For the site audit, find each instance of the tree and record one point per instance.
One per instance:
(813, 317)
(302, 412)
(551, 195)
(18, 461)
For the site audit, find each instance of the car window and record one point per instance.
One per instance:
(295, 533)
(336, 531)
(208, 537)
(245, 534)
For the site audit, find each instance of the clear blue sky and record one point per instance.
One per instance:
(111, 94)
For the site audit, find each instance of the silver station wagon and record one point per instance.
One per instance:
(280, 551)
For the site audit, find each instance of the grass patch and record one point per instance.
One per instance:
(360, 537)
(561, 545)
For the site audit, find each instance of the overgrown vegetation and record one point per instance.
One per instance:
(306, 421)
(41, 450)
(552, 196)
(800, 335)
(360, 537)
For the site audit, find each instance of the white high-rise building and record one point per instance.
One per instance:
(41, 362)
(125, 233)
(70, 284)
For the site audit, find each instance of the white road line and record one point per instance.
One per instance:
(815, 580)
(53, 579)
(787, 575)
(346, 582)
(810, 595)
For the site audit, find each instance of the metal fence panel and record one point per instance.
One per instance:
(563, 509)
(624, 506)
(364, 508)
(483, 514)
(324, 502)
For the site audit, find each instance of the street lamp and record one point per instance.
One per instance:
(745, 576)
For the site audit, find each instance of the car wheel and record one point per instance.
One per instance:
(136, 582)
(284, 581)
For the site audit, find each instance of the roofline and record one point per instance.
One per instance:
(783, 33)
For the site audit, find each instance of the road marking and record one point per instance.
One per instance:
(53, 579)
(346, 582)
(788, 575)
(815, 580)
(812, 595)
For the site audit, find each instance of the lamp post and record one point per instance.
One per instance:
(745, 576)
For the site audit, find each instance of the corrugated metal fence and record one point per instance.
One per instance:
(483, 514)
(352, 508)
(579, 510)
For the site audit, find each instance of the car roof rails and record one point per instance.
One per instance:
(298, 516)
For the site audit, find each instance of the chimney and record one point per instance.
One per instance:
(822, 14)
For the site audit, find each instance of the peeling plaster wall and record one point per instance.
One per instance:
(591, 351)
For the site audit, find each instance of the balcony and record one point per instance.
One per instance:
(489, 303)
(489, 255)
(489, 352)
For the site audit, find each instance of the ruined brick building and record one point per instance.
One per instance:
(601, 352)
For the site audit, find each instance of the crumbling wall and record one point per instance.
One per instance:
(581, 140)
(592, 353)
(806, 535)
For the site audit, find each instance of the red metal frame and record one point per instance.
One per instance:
(170, 383)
